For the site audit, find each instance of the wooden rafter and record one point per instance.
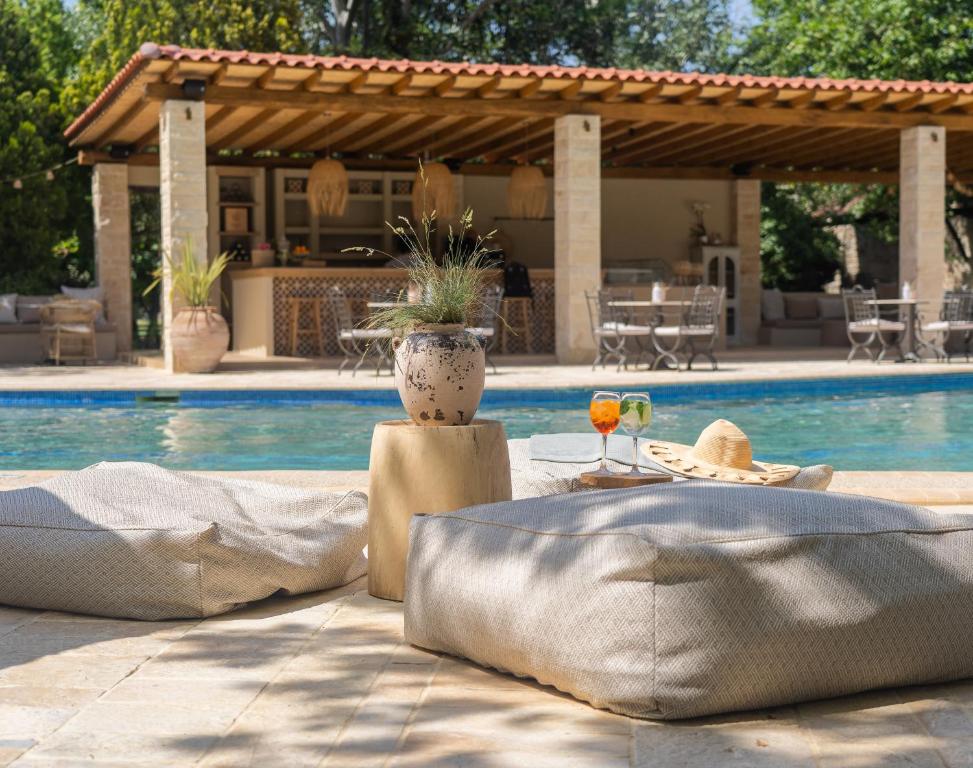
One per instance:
(750, 145)
(371, 140)
(439, 136)
(388, 145)
(219, 75)
(514, 107)
(609, 93)
(170, 74)
(484, 139)
(837, 102)
(266, 78)
(123, 119)
(286, 130)
(765, 99)
(687, 131)
(488, 87)
(571, 91)
(691, 96)
(651, 93)
(526, 91)
(636, 135)
(445, 86)
(517, 144)
(908, 103)
(854, 143)
(400, 85)
(354, 85)
(801, 101)
(809, 145)
(872, 102)
(312, 81)
(247, 126)
(943, 104)
(147, 139)
(731, 96)
(219, 117)
(333, 139)
(309, 142)
(691, 146)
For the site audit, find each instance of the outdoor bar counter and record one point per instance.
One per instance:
(261, 323)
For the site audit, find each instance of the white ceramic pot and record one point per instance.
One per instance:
(439, 372)
(199, 338)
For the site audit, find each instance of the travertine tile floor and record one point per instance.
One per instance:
(327, 680)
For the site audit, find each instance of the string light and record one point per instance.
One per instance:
(47, 173)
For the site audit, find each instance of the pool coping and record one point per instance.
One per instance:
(772, 388)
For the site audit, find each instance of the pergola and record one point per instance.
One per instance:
(182, 108)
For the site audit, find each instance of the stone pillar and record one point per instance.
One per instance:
(746, 224)
(577, 233)
(113, 247)
(922, 213)
(182, 186)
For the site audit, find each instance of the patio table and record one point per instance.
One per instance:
(908, 311)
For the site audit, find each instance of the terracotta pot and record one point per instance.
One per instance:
(199, 338)
(439, 372)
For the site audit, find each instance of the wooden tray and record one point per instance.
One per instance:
(622, 479)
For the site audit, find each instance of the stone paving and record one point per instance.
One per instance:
(327, 680)
(240, 372)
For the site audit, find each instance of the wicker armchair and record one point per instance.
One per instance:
(68, 330)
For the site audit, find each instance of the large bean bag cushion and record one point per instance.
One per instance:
(531, 477)
(138, 541)
(696, 598)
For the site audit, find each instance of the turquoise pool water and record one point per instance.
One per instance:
(915, 422)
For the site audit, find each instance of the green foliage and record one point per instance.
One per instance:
(192, 278)
(797, 253)
(146, 218)
(40, 227)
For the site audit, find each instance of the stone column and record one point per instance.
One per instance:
(113, 247)
(182, 186)
(746, 206)
(577, 233)
(922, 213)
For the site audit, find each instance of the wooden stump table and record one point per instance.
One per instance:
(426, 470)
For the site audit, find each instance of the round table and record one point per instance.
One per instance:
(417, 470)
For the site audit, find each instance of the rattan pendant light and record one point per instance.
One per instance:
(527, 193)
(433, 190)
(527, 189)
(327, 188)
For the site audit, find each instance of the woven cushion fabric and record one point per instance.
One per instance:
(831, 308)
(531, 478)
(772, 304)
(29, 308)
(801, 306)
(8, 308)
(95, 293)
(137, 541)
(691, 599)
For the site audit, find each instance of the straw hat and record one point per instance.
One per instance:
(722, 452)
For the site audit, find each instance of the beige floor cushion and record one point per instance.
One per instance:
(690, 599)
(530, 478)
(138, 541)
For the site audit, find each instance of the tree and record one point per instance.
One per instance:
(38, 239)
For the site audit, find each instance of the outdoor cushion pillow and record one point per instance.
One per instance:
(691, 599)
(96, 293)
(772, 305)
(29, 308)
(831, 308)
(8, 308)
(801, 307)
(530, 477)
(137, 541)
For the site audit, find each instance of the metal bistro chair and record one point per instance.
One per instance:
(68, 330)
(699, 324)
(358, 342)
(611, 328)
(486, 326)
(866, 325)
(956, 316)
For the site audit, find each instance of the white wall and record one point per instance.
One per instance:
(641, 218)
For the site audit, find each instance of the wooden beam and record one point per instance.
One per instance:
(571, 90)
(908, 103)
(765, 99)
(943, 104)
(243, 129)
(403, 135)
(650, 94)
(370, 140)
(400, 85)
(691, 96)
(837, 102)
(105, 136)
(312, 81)
(148, 138)
(488, 87)
(731, 96)
(621, 110)
(872, 102)
(445, 86)
(637, 135)
(354, 85)
(508, 126)
(691, 146)
(270, 140)
(809, 146)
(450, 133)
(531, 88)
(833, 152)
(266, 78)
(620, 157)
(219, 75)
(512, 145)
(170, 74)
(801, 101)
(609, 93)
(218, 117)
(309, 142)
(746, 147)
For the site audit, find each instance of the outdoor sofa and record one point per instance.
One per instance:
(801, 319)
(20, 333)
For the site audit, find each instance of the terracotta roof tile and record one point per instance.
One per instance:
(150, 51)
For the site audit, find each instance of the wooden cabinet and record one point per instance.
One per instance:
(237, 209)
(721, 267)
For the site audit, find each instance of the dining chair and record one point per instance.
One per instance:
(698, 324)
(955, 317)
(865, 325)
(485, 326)
(358, 342)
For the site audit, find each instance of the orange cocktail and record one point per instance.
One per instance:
(605, 415)
(605, 411)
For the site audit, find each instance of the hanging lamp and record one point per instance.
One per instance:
(327, 188)
(433, 190)
(527, 189)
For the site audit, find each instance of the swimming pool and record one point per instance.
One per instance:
(887, 423)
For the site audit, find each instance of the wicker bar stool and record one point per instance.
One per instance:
(517, 320)
(295, 306)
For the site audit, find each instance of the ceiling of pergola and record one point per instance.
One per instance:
(668, 124)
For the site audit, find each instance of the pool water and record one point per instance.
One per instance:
(927, 426)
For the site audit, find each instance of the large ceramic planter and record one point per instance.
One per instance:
(199, 338)
(439, 372)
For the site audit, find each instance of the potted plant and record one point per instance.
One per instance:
(439, 365)
(199, 335)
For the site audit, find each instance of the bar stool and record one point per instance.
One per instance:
(519, 307)
(295, 304)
